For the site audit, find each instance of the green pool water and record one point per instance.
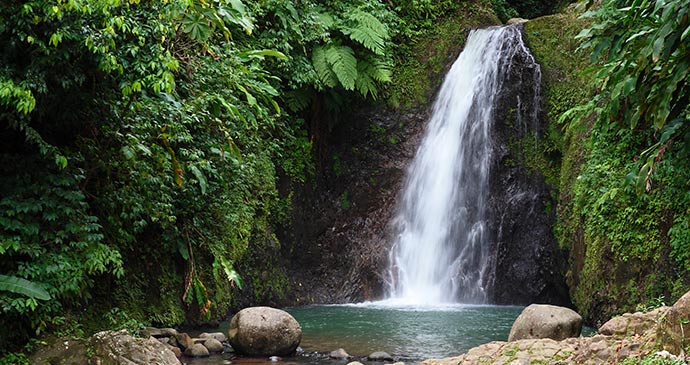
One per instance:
(409, 333)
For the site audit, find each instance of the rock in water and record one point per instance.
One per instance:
(380, 356)
(264, 331)
(213, 345)
(196, 350)
(546, 321)
(217, 335)
(339, 354)
(184, 340)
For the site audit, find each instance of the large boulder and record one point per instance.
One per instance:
(107, 348)
(264, 331)
(674, 328)
(546, 321)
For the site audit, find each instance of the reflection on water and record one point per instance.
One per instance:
(408, 333)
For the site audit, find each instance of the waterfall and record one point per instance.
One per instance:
(441, 252)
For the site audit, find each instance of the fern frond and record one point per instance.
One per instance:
(298, 100)
(370, 73)
(365, 83)
(323, 68)
(367, 31)
(325, 19)
(342, 60)
(381, 70)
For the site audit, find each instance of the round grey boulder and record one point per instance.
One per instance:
(339, 354)
(546, 321)
(264, 331)
(220, 336)
(380, 356)
(196, 350)
(213, 345)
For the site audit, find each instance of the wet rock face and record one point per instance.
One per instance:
(529, 266)
(337, 250)
(264, 331)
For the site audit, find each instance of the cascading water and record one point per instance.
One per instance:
(442, 252)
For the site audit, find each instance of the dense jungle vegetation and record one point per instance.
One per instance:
(149, 149)
(624, 175)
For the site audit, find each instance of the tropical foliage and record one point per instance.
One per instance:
(627, 210)
(141, 144)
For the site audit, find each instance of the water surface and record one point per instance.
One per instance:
(410, 334)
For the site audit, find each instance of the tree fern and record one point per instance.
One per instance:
(368, 31)
(344, 65)
(322, 67)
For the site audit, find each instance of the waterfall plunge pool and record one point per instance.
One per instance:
(406, 332)
(409, 333)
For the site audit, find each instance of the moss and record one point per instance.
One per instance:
(261, 269)
(421, 66)
(618, 241)
(552, 40)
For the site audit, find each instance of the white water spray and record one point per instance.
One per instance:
(442, 250)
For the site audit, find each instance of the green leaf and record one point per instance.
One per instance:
(229, 271)
(368, 74)
(322, 67)
(685, 34)
(238, 15)
(368, 31)
(200, 177)
(629, 85)
(22, 286)
(342, 60)
(182, 249)
(196, 26)
(260, 54)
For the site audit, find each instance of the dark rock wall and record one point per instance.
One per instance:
(529, 267)
(337, 250)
